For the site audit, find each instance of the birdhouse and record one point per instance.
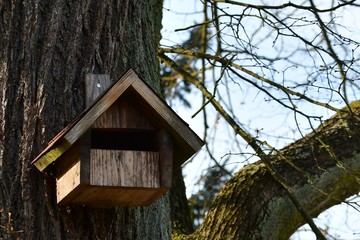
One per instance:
(122, 149)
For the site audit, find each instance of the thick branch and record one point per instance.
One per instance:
(253, 206)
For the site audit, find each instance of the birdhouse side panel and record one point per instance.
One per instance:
(68, 182)
(72, 170)
(120, 168)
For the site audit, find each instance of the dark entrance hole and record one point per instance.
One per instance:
(123, 140)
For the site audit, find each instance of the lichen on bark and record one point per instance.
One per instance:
(321, 170)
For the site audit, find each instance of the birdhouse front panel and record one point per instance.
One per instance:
(124, 168)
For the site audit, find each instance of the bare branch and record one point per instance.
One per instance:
(285, 5)
(252, 141)
(230, 63)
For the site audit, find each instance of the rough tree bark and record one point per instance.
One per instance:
(47, 47)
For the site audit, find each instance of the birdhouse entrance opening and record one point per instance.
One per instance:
(111, 139)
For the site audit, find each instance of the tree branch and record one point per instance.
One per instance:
(226, 61)
(285, 5)
(233, 216)
(253, 142)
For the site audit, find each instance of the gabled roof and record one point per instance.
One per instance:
(186, 142)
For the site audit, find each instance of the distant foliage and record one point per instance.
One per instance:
(212, 182)
(175, 88)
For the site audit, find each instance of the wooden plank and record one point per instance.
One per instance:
(187, 142)
(68, 160)
(95, 86)
(102, 173)
(165, 145)
(146, 169)
(124, 168)
(101, 106)
(69, 198)
(123, 115)
(68, 182)
(52, 154)
(85, 145)
(106, 197)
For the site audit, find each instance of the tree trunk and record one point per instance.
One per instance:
(322, 169)
(47, 48)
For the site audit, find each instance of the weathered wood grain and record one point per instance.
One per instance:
(68, 182)
(95, 86)
(47, 47)
(124, 168)
(123, 114)
(105, 197)
(187, 142)
(165, 146)
(100, 106)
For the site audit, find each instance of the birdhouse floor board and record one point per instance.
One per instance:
(105, 197)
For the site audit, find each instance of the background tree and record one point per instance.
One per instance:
(295, 59)
(48, 47)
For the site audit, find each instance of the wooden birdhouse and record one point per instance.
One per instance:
(122, 149)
